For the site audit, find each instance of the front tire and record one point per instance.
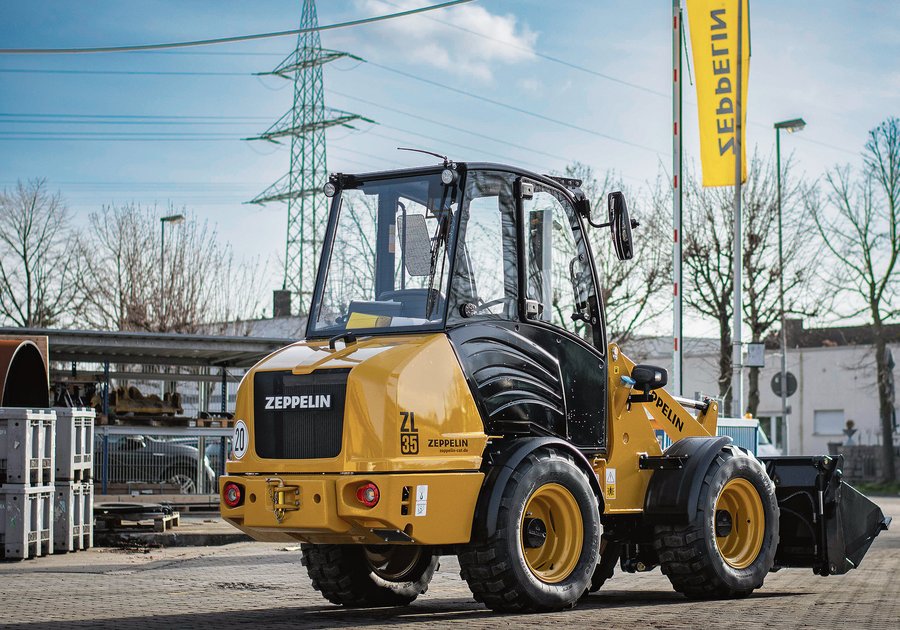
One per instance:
(369, 575)
(729, 548)
(545, 548)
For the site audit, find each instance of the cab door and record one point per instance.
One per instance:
(521, 271)
(560, 306)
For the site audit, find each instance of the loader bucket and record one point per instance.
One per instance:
(825, 524)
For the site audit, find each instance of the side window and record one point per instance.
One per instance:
(485, 280)
(559, 276)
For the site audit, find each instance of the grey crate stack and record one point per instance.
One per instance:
(74, 498)
(27, 471)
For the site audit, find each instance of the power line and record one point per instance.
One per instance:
(162, 73)
(515, 108)
(541, 55)
(447, 126)
(131, 116)
(226, 40)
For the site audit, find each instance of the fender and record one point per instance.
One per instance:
(673, 494)
(502, 463)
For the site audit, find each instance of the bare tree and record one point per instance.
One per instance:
(634, 291)
(35, 256)
(119, 275)
(708, 261)
(859, 219)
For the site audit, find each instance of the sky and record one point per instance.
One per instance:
(115, 128)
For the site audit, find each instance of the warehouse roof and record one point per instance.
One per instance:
(152, 348)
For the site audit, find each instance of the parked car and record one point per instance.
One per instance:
(145, 459)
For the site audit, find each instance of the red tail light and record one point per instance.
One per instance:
(368, 494)
(232, 494)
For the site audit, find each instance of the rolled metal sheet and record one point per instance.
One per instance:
(24, 380)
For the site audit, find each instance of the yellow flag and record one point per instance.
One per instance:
(714, 42)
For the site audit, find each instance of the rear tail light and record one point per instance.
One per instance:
(368, 494)
(232, 494)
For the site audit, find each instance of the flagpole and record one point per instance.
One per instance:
(737, 380)
(677, 181)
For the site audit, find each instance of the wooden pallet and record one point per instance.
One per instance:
(161, 523)
(215, 422)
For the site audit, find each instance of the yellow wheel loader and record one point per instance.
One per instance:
(456, 395)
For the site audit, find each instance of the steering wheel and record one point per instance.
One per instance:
(486, 305)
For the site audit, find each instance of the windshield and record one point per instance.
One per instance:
(388, 263)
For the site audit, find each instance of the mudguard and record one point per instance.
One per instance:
(500, 466)
(825, 524)
(673, 494)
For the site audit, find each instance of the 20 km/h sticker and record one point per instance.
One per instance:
(240, 439)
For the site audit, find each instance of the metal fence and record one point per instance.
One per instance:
(158, 460)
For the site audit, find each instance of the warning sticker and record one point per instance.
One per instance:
(421, 500)
(610, 491)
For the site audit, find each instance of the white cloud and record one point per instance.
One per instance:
(427, 39)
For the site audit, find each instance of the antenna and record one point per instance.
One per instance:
(447, 161)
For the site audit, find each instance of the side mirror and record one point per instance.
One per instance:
(621, 225)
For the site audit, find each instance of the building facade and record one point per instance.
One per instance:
(836, 382)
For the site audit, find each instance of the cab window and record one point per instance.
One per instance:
(557, 266)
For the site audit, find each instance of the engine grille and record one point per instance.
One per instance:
(299, 416)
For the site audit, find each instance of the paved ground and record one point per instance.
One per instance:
(264, 585)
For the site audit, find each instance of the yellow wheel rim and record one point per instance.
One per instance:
(740, 523)
(551, 533)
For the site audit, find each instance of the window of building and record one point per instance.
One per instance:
(828, 422)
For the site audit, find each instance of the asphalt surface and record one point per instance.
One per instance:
(264, 586)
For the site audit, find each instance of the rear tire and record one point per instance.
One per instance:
(729, 548)
(360, 576)
(544, 550)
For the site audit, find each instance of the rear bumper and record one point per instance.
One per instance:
(425, 509)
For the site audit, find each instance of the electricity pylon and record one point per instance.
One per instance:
(301, 186)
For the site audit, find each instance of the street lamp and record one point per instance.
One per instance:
(796, 124)
(174, 219)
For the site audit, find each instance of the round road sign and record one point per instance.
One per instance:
(791, 384)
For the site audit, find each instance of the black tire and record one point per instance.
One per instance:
(497, 569)
(360, 576)
(184, 477)
(690, 556)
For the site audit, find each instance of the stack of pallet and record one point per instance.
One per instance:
(27, 468)
(74, 503)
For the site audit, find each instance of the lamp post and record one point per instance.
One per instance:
(796, 124)
(174, 219)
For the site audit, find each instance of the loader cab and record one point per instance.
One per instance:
(498, 259)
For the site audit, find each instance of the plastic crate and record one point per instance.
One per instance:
(27, 446)
(73, 516)
(26, 521)
(74, 443)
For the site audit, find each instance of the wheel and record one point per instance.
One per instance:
(369, 575)
(545, 548)
(729, 548)
(183, 479)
